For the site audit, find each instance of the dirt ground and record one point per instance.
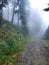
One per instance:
(34, 54)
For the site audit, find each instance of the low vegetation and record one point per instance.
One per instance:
(46, 39)
(12, 43)
(46, 43)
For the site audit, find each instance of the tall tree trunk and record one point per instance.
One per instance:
(13, 13)
(23, 14)
(18, 18)
(0, 16)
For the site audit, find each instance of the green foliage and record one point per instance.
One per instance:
(11, 47)
(11, 42)
(46, 43)
(46, 36)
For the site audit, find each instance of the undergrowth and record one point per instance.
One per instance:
(12, 43)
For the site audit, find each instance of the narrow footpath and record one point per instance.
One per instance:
(34, 54)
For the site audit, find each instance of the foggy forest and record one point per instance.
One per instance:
(24, 32)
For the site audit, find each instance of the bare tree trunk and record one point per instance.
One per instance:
(0, 16)
(18, 18)
(13, 13)
(8, 10)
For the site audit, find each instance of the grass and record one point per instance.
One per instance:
(12, 44)
(11, 54)
(46, 43)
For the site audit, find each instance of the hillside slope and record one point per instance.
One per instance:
(11, 43)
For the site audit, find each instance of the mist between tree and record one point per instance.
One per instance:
(22, 28)
(26, 18)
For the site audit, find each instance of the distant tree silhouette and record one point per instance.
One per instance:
(24, 28)
(2, 4)
(48, 4)
(21, 12)
(47, 33)
(15, 4)
(46, 9)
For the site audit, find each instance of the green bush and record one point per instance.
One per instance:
(10, 44)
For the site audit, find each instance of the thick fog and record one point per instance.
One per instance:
(35, 22)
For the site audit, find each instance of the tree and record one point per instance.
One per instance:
(46, 9)
(47, 33)
(2, 4)
(23, 18)
(21, 12)
(13, 12)
(15, 4)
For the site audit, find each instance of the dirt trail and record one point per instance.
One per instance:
(34, 54)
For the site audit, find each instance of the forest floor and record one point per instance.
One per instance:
(34, 54)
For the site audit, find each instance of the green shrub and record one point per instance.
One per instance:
(10, 44)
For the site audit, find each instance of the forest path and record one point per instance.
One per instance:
(34, 54)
